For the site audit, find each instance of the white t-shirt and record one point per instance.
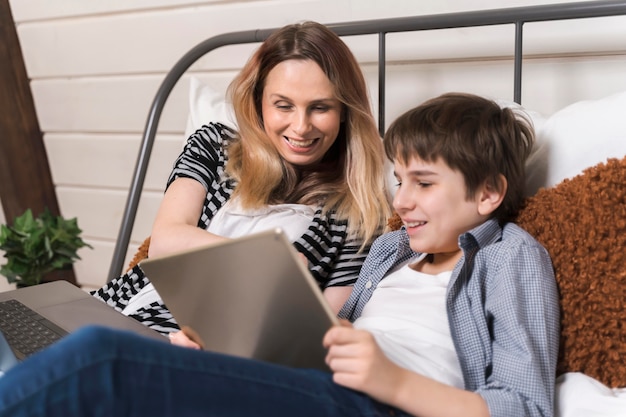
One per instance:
(407, 316)
(232, 221)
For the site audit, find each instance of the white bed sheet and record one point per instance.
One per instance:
(579, 395)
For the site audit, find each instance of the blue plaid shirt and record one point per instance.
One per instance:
(503, 312)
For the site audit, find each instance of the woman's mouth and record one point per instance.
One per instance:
(300, 143)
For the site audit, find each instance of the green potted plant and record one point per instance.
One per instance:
(34, 247)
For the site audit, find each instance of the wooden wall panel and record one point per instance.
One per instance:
(85, 104)
(27, 10)
(109, 46)
(33, 10)
(108, 160)
(111, 104)
(93, 266)
(99, 211)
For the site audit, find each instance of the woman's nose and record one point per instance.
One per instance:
(301, 122)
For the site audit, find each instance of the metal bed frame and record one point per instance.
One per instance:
(516, 16)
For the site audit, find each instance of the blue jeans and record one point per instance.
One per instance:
(102, 372)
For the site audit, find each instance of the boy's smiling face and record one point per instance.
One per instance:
(431, 199)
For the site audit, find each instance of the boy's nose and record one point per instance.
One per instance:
(402, 200)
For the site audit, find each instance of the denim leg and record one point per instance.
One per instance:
(101, 372)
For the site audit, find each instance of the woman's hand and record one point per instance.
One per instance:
(186, 337)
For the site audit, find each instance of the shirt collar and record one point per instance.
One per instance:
(482, 235)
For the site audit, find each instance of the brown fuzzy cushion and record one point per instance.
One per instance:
(582, 224)
(141, 254)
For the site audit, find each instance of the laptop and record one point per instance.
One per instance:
(251, 297)
(58, 308)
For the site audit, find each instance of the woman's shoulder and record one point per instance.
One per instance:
(210, 140)
(215, 132)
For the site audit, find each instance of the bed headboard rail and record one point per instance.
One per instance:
(516, 16)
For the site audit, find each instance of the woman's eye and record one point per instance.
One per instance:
(283, 106)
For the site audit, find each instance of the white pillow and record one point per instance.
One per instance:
(577, 137)
(574, 138)
(207, 105)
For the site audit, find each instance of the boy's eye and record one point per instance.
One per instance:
(424, 184)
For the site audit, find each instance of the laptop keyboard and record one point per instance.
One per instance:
(25, 330)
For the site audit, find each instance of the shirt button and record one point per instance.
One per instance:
(368, 285)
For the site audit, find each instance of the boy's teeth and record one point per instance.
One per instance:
(414, 224)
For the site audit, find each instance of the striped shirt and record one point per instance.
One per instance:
(503, 313)
(333, 257)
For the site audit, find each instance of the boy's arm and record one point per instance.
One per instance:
(522, 345)
(358, 363)
(522, 316)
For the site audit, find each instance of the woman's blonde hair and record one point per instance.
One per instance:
(350, 179)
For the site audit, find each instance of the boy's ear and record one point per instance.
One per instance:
(491, 195)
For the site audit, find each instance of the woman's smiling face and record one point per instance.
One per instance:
(301, 114)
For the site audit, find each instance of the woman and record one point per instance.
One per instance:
(307, 157)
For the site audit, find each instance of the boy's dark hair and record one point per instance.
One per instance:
(473, 136)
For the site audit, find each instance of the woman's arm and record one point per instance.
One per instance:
(337, 296)
(199, 165)
(176, 224)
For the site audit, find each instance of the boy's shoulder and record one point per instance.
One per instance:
(502, 244)
(513, 233)
(512, 255)
(393, 243)
(491, 232)
(497, 242)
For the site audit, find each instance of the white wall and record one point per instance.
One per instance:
(95, 66)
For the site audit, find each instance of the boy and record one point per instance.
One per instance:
(464, 323)
(459, 161)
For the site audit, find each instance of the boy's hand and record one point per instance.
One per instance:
(358, 362)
